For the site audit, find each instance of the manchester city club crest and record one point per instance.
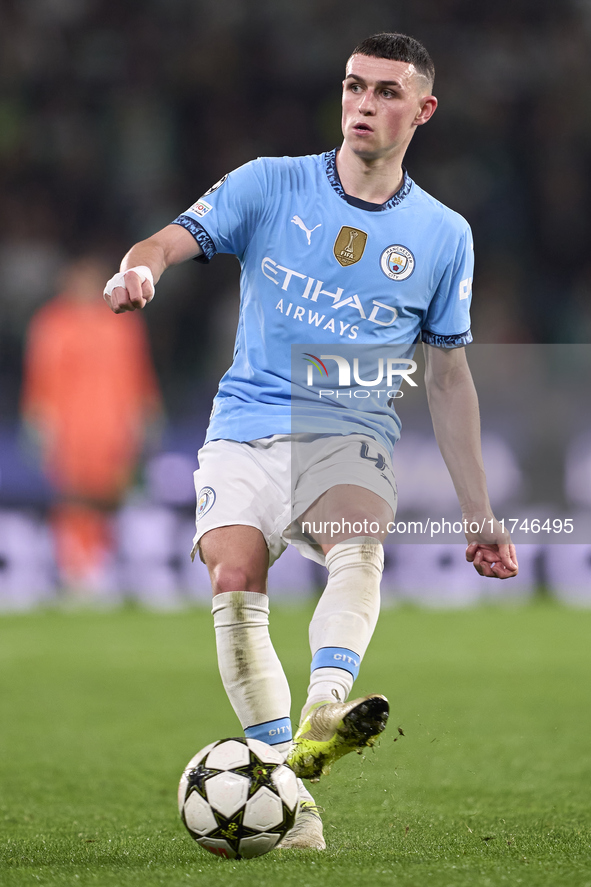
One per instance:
(397, 262)
(205, 501)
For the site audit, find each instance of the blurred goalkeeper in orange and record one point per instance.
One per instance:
(90, 391)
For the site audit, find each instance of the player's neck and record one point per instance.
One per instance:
(375, 181)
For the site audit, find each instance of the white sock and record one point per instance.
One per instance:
(250, 669)
(304, 794)
(345, 618)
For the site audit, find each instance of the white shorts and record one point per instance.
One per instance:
(268, 483)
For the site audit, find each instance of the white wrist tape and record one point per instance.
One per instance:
(142, 271)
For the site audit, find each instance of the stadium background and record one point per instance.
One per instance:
(115, 117)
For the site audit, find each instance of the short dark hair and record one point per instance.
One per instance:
(398, 48)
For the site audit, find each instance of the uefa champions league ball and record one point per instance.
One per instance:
(238, 798)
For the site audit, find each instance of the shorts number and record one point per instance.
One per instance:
(380, 462)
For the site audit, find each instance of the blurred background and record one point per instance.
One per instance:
(116, 117)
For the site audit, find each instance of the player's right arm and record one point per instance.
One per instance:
(144, 264)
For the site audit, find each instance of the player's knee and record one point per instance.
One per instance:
(237, 577)
(364, 522)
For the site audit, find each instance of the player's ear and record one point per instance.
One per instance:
(428, 106)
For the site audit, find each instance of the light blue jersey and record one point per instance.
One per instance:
(320, 269)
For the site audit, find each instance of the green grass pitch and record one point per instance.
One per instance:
(489, 785)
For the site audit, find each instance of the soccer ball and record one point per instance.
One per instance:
(238, 798)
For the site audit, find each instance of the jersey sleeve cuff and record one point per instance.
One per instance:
(439, 341)
(200, 235)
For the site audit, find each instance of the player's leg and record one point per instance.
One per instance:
(341, 629)
(237, 558)
(243, 497)
(347, 613)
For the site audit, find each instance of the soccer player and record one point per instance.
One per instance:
(339, 248)
(91, 426)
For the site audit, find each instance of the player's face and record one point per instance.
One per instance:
(383, 103)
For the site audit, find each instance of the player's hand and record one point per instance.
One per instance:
(129, 290)
(495, 561)
(490, 549)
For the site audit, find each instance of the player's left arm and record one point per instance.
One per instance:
(453, 403)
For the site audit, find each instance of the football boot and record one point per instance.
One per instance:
(306, 833)
(333, 729)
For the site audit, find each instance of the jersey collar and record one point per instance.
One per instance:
(330, 166)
